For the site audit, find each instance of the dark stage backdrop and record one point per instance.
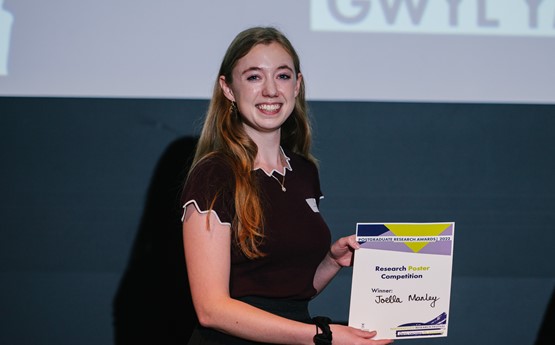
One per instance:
(90, 249)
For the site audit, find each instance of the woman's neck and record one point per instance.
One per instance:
(269, 156)
(270, 159)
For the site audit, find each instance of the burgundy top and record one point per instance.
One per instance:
(296, 236)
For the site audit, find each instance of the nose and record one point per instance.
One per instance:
(270, 88)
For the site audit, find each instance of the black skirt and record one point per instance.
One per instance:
(291, 309)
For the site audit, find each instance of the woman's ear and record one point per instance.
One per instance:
(228, 93)
(298, 84)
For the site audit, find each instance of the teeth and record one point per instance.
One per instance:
(269, 107)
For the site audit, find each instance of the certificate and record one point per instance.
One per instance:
(401, 285)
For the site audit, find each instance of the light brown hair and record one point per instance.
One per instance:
(223, 133)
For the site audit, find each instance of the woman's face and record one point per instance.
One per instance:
(264, 87)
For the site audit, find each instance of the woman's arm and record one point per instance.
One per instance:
(207, 254)
(340, 255)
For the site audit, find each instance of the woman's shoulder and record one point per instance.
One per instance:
(215, 162)
(209, 186)
(211, 170)
(299, 161)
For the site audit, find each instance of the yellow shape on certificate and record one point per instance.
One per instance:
(417, 230)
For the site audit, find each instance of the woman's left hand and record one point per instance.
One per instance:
(341, 251)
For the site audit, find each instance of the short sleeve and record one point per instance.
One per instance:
(210, 187)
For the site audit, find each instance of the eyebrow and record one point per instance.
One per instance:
(250, 69)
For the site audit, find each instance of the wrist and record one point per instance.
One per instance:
(334, 262)
(323, 331)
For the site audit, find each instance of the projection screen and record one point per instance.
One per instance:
(353, 50)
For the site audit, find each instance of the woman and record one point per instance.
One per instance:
(256, 247)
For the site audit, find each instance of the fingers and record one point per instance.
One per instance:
(365, 334)
(351, 335)
(371, 334)
(352, 241)
(348, 242)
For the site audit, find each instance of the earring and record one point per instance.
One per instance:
(233, 108)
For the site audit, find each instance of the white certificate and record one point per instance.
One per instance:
(401, 284)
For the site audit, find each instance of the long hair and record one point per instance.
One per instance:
(223, 133)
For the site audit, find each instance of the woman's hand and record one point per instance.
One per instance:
(341, 251)
(345, 335)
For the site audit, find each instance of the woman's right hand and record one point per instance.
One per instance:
(345, 335)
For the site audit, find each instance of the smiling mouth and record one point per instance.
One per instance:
(269, 107)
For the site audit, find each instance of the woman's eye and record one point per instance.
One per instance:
(284, 76)
(253, 77)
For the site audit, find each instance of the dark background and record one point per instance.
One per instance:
(90, 248)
